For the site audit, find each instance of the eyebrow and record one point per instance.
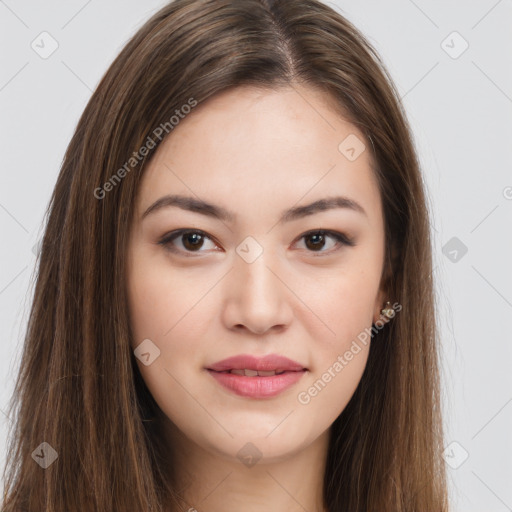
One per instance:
(218, 212)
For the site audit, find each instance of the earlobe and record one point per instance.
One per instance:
(387, 312)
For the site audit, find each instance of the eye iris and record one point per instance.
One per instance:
(318, 237)
(197, 240)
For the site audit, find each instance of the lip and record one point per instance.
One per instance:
(249, 362)
(258, 386)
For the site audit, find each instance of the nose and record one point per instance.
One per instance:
(257, 297)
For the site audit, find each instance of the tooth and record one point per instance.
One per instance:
(267, 373)
(255, 373)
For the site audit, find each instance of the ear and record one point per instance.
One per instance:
(379, 304)
(384, 288)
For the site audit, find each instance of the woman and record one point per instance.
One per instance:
(234, 304)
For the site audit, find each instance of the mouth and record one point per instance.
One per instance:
(252, 377)
(249, 363)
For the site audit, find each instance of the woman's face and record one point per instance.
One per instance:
(256, 281)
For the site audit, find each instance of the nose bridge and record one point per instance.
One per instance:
(252, 266)
(257, 296)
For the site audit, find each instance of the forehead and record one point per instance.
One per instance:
(253, 149)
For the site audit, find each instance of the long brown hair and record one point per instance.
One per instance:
(79, 389)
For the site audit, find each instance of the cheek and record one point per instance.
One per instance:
(341, 352)
(329, 390)
(172, 309)
(167, 308)
(163, 301)
(343, 302)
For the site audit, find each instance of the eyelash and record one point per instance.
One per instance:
(167, 240)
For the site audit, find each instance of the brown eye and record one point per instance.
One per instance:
(316, 241)
(191, 241)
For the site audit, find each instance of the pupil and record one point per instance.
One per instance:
(319, 239)
(196, 240)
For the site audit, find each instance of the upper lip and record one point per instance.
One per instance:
(249, 362)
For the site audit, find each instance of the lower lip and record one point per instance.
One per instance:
(257, 387)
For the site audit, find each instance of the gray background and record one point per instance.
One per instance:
(459, 105)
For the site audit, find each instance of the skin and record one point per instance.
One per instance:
(255, 152)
